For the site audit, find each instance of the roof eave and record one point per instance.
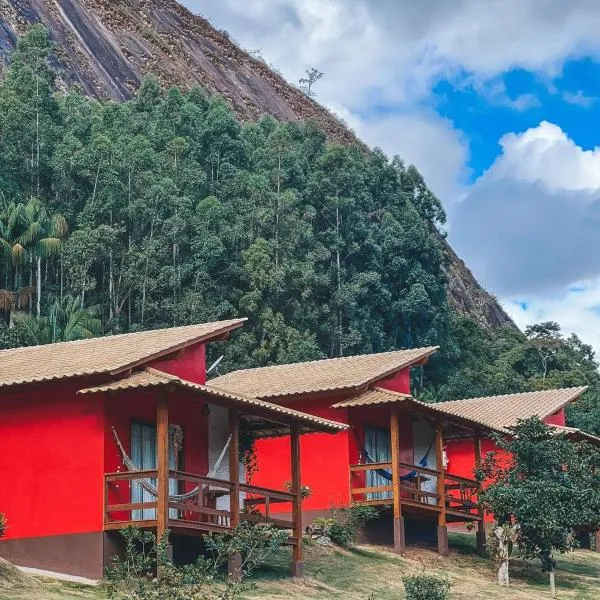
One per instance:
(207, 337)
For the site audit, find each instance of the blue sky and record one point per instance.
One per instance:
(498, 105)
(570, 101)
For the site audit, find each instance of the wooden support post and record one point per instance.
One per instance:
(234, 467)
(162, 465)
(297, 566)
(480, 536)
(597, 540)
(399, 538)
(442, 533)
(235, 561)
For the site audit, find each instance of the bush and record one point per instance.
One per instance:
(343, 526)
(3, 524)
(426, 587)
(133, 575)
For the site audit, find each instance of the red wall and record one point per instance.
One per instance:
(325, 458)
(558, 418)
(51, 461)
(399, 382)
(124, 408)
(189, 363)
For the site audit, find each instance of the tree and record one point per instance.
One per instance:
(548, 487)
(28, 234)
(67, 321)
(306, 83)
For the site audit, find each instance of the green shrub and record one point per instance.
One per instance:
(3, 524)
(424, 586)
(343, 526)
(133, 575)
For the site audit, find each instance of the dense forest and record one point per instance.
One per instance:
(165, 210)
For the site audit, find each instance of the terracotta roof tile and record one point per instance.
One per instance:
(506, 410)
(110, 354)
(327, 375)
(578, 434)
(379, 396)
(152, 378)
(374, 397)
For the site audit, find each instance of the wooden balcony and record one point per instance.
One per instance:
(197, 512)
(459, 499)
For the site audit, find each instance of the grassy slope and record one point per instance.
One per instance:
(370, 574)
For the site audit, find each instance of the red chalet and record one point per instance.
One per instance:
(102, 433)
(503, 412)
(392, 456)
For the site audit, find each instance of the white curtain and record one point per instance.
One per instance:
(423, 442)
(143, 455)
(377, 445)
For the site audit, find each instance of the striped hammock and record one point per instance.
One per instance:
(147, 484)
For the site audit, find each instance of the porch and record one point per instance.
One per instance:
(188, 503)
(424, 489)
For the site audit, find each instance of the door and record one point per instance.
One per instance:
(377, 445)
(143, 455)
(424, 455)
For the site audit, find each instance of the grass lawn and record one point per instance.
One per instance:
(368, 573)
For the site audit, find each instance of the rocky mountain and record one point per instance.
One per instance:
(107, 48)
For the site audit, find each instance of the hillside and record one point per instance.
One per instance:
(366, 572)
(108, 47)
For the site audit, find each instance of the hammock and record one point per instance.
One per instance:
(151, 489)
(388, 476)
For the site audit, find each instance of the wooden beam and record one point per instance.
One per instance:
(234, 567)
(234, 466)
(441, 477)
(399, 538)
(297, 566)
(162, 462)
(481, 537)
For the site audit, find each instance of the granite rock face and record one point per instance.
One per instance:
(107, 47)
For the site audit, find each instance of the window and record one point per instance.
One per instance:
(143, 455)
(377, 445)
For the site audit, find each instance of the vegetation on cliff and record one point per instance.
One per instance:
(165, 210)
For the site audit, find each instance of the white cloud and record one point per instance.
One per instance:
(577, 309)
(390, 53)
(530, 224)
(579, 99)
(546, 154)
(416, 137)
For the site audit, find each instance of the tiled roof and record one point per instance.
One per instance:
(506, 410)
(578, 434)
(152, 378)
(327, 375)
(378, 396)
(374, 397)
(110, 354)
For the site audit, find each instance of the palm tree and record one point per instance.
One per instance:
(68, 320)
(28, 232)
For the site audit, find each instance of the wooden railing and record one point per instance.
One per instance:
(195, 511)
(460, 493)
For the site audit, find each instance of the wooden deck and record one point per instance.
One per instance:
(197, 513)
(459, 493)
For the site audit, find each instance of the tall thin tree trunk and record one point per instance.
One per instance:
(339, 279)
(39, 286)
(146, 269)
(62, 277)
(37, 130)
